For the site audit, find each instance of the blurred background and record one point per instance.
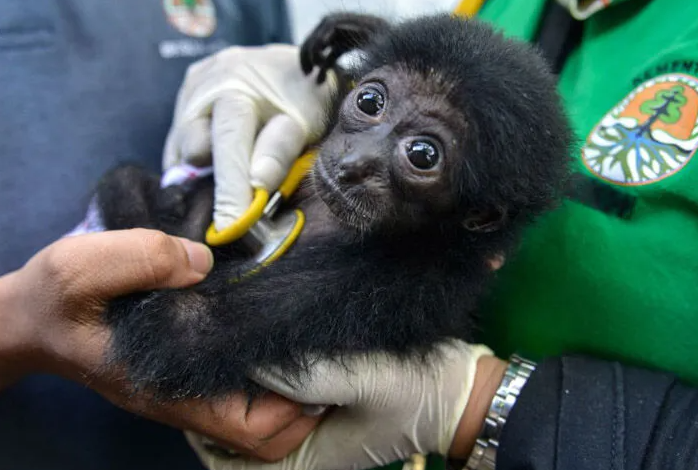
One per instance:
(305, 14)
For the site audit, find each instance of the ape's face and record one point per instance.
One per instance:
(389, 160)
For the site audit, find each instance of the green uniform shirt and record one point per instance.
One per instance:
(593, 282)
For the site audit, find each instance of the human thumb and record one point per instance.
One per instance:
(132, 260)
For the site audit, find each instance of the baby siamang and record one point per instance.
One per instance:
(446, 141)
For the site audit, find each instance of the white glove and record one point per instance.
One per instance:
(249, 111)
(389, 410)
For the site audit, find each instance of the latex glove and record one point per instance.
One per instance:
(249, 111)
(388, 410)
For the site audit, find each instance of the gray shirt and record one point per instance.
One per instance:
(85, 84)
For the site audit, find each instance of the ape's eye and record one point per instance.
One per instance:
(422, 154)
(370, 101)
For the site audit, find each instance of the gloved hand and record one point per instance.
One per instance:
(388, 410)
(249, 111)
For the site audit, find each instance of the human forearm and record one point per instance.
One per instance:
(14, 349)
(490, 371)
(33, 337)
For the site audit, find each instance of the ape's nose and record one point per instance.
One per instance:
(356, 167)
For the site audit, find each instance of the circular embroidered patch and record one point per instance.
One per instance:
(650, 135)
(195, 18)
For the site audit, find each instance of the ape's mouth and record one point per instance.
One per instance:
(348, 209)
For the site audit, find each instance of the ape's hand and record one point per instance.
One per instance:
(50, 323)
(385, 411)
(249, 111)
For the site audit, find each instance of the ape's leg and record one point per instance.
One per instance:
(187, 210)
(130, 197)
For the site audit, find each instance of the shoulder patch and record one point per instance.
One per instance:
(650, 135)
(195, 18)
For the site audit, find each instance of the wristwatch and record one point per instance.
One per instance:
(484, 454)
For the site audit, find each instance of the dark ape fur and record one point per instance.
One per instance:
(395, 260)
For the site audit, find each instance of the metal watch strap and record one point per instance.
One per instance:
(484, 454)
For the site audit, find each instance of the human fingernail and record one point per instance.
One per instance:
(200, 256)
(314, 410)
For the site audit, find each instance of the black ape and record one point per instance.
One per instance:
(450, 141)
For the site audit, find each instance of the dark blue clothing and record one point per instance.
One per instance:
(580, 413)
(85, 84)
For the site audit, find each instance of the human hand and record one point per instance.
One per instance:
(387, 409)
(224, 102)
(50, 316)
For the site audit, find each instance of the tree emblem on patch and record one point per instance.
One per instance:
(650, 135)
(195, 18)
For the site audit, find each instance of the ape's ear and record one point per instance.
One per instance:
(497, 261)
(485, 221)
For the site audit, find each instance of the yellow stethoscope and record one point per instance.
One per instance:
(262, 203)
